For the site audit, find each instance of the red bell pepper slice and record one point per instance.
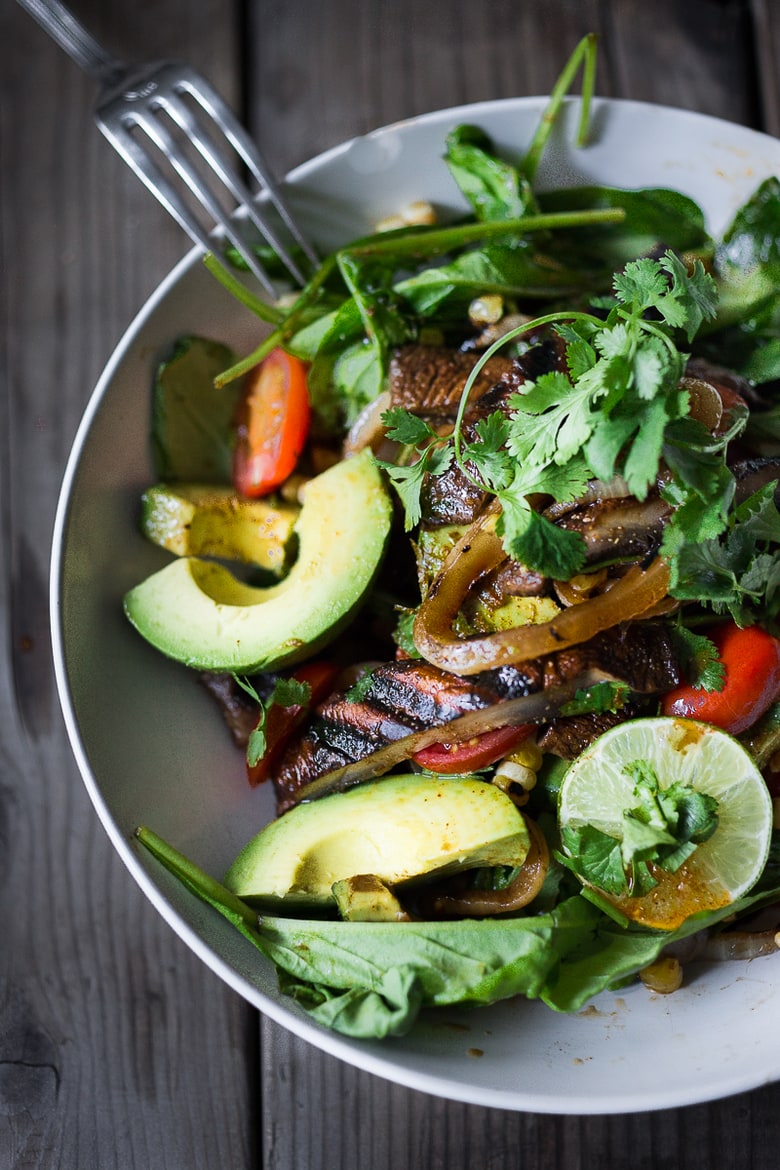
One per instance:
(751, 658)
(479, 752)
(272, 424)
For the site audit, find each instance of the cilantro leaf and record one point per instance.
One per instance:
(701, 665)
(533, 540)
(403, 636)
(286, 692)
(489, 452)
(407, 428)
(738, 571)
(580, 354)
(684, 302)
(408, 479)
(662, 828)
(595, 857)
(617, 408)
(552, 420)
(603, 696)
(290, 692)
(666, 825)
(256, 744)
(642, 284)
(695, 291)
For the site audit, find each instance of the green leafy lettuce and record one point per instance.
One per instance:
(372, 979)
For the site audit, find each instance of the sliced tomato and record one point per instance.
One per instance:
(479, 752)
(272, 424)
(281, 723)
(752, 661)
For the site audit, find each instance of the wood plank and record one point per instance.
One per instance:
(697, 55)
(310, 86)
(112, 1034)
(360, 1121)
(766, 33)
(117, 1047)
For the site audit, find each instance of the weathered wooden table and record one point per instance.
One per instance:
(118, 1048)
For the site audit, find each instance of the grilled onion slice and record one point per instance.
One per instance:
(477, 552)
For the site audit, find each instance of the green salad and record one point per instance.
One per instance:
(479, 554)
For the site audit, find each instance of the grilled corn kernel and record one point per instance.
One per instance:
(663, 976)
(516, 773)
(390, 223)
(419, 213)
(528, 754)
(486, 310)
(515, 782)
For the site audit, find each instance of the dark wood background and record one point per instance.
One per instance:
(117, 1047)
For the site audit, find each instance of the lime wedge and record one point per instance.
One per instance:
(597, 789)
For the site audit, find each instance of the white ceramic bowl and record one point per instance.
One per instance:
(132, 715)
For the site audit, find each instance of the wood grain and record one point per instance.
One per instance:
(111, 1032)
(766, 37)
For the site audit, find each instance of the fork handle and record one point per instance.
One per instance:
(71, 36)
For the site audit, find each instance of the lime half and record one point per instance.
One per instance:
(599, 787)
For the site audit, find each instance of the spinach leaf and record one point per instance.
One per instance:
(512, 270)
(746, 333)
(655, 219)
(747, 261)
(494, 188)
(192, 435)
(371, 979)
(616, 950)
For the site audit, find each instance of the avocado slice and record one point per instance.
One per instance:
(199, 613)
(397, 829)
(364, 898)
(213, 521)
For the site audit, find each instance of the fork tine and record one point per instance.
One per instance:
(208, 149)
(150, 124)
(140, 162)
(133, 96)
(220, 111)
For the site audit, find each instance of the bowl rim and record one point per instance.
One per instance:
(357, 1054)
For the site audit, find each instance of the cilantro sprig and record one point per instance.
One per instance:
(698, 655)
(286, 692)
(736, 572)
(609, 413)
(434, 456)
(663, 828)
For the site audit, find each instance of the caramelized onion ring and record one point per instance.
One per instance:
(480, 550)
(484, 903)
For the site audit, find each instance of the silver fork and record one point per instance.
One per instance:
(145, 113)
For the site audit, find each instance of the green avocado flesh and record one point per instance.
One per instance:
(213, 521)
(364, 898)
(197, 612)
(396, 829)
